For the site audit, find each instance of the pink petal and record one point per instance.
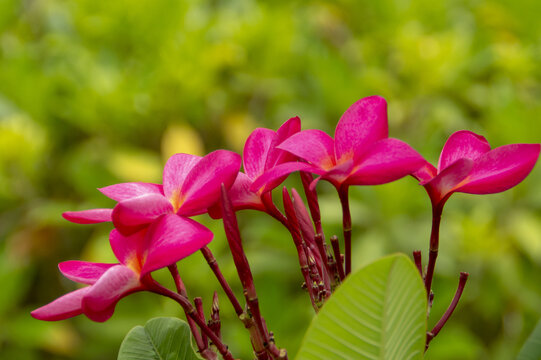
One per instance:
(129, 250)
(314, 146)
(501, 169)
(82, 271)
(132, 215)
(255, 151)
(275, 155)
(174, 173)
(171, 239)
(362, 124)
(425, 173)
(201, 188)
(462, 144)
(125, 191)
(241, 196)
(99, 302)
(278, 172)
(387, 160)
(64, 307)
(92, 216)
(446, 181)
(337, 175)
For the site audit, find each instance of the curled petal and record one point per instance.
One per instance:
(314, 146)
(362, 124)
(174, 173)
(425, 172)
(279, 171)
(501, 169)
(201, 188)
(100, 300)
(443, 184)
(64, 307)
(129, 250)
(462, 144)
(130, 216)
(275, 155)
(255, 151)
(83, 272)
(92, 216)
(125, 191)
(387, 160)
(337, 175)
(171, 239)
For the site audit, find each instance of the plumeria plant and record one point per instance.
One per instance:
(378, 312)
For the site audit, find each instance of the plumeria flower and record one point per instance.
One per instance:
(361, 152)
(468, 165)
(169, 239)
(260, 155)
(191, 184)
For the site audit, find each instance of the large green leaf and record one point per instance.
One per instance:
(379, 312)
(160, 339)
(531, 350)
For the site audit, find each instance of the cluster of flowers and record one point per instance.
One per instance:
(153, 229)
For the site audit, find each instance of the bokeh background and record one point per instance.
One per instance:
(98, 92)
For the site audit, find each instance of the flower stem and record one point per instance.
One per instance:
(200, 340)
(337, 257)
(461, 284)
(346, 224)
(434, 246)
(417, 257)
(211, 260)
(190, 311)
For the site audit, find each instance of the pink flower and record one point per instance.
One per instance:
(260, 154)
(191, 184)
(468, 165)
(169, 239)
(360, 153)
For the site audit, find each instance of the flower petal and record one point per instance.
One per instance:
(279, 171)
(387, 160)
(64, 307)
(201, 188)
(443, 184)
(171, 239)
(129, 250)
(462, 144)
(174, 174)
(425, 172)
(83, 272)
(91, 216)
(99, 302)
(362, 124)
(501, 169)
(314, 146)
(277, 156)
(255, 151)
(125, 191)
(241, 196)
(130, 216)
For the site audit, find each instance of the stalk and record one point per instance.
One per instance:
(346, 224)
(434, 246)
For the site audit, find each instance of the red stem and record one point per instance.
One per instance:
(346, 224)
(190, 311)
(211, 260)
(337, 257)
(461, 284)
(434, 246)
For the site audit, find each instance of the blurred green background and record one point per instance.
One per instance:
(98, 92)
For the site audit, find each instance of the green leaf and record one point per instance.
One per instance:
(531, 350)
(379, 312)
(160, 339)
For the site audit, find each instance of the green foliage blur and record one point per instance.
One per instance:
(98, 92)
